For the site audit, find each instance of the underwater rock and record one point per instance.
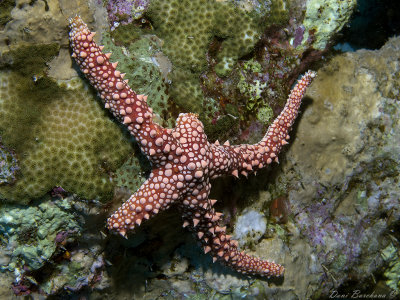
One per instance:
(342, 171)
(37, 22)
(32, 230)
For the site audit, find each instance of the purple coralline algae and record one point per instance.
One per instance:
(325, 230)
(298, 36)
(8, 165)
(125, 11)
(344, 196)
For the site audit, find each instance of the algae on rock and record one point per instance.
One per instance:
(343, 168)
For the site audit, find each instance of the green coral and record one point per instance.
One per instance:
(324, 18)
(137, 61)
(265, 114)
(32, 231)
(186, 91)
(252, 88)
(30, 60)
(124, 34)
(188, 28)
(132, 173)
(5, 11)
(391, 255)
(61, 136)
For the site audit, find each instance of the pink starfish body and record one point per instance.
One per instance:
(183, 161)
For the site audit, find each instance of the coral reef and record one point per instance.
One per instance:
(188, 27)
(125, 11)
(45, 247)
(32, 231)
(252, 91)
(70, 140)
(213, 25)
(49, 147)
(206, 78)
(324, 19)
(182, 159)
(341, 182)
(339, 176)
(351, 181)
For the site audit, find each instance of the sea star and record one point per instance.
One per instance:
(183, 161)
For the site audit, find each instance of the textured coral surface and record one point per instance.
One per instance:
(59, 133)
(335, 192)
(188, 28)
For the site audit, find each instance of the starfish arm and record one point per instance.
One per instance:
(247, 158)
(127, 106)
(152, 197)
(203, 221)
(182, 159)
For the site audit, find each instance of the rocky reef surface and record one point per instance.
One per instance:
(329, 212)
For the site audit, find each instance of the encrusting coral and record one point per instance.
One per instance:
(192, 29)
(183, 161)
(59, 134)
(193, 24)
